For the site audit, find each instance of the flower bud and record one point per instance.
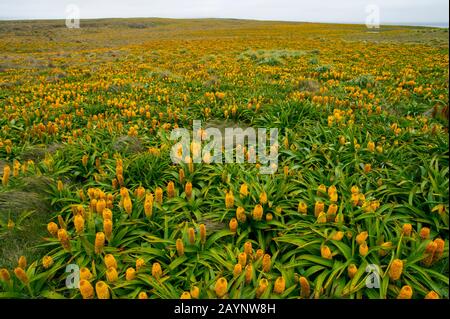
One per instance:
(221, 287)
(102, 290)
(86, 289)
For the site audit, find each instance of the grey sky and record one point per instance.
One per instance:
(391, 11)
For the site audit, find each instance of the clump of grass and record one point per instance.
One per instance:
(271, 57)
(128, 145)
(29, 210)
(308, 85)
(363, 81)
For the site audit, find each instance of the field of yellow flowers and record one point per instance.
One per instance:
(87, 181)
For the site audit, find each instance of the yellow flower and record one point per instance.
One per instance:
(266, 263)
(111, 274)
(331, 212)
(269, 217)
(263, 198)
(367, 168)
(240, 214)
(52, 228)
(170, 189)
(185, 295)
(259, 254)
(85, 274)
(318, 208)
(181, 175)
(102, 290)
(352, 270)
(305, 289)
(6, 174)
(159, 195)
(139, 263)
(140, 192)
(233, 225)
(142, 295)
(107, 228)
(110, 261)
(262, 286)
(407, 229)
(337, 235)
(64, 238)
(279, 286)
(302, 208)
(156, 270)
(99, 242)
(148, 205)
(130, 274)
(127, 205)
(332, 190)
(354, 189)
(243, 191)
(21, 275)
(4, 275)
(237, 270)
(79, 223)
(248, 249)
(371, 146)
(248, 273)
(47, 262)
(86, 289)
(405, 293)
(361, 237)
(202, 233)
(322, 218)
(429, 253)
(363, 249)
(396, 269)
(84, 160)
(195, 292)
(258, 212)
(188, 189)
(191, 235)
(221, 287)
(100, 206)
(229, 199)
(424, 233)
(107, 214)
(440, 245)
(325, 252)
(432, 295)
(322, 189)
(334, 197)
(180, 247)
(60, 185)
(242, 259)
(22, 263)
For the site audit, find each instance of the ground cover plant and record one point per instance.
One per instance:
(361, 187)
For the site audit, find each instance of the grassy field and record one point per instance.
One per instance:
(363, 170)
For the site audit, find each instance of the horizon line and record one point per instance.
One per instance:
(444, 24)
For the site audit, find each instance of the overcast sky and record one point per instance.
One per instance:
(354, 11)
